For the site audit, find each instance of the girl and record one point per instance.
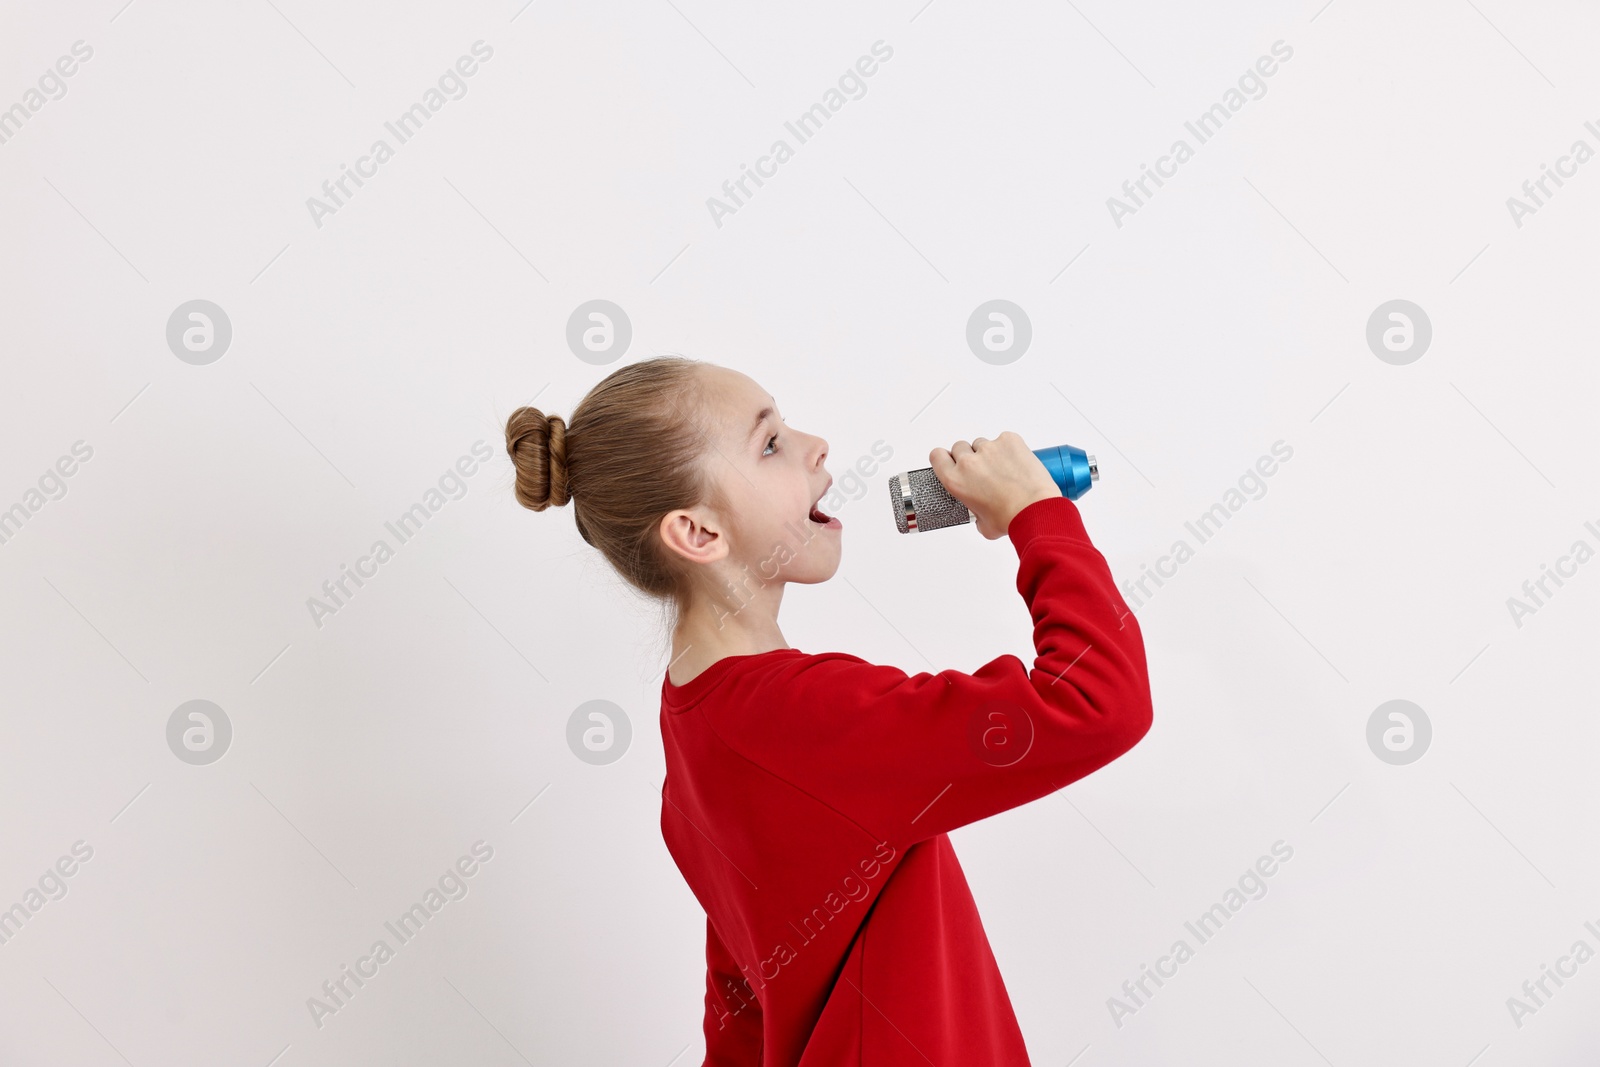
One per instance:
(809, 797)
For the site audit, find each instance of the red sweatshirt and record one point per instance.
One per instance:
(808, 800)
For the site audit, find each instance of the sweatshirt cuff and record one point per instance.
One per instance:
(1051, 517)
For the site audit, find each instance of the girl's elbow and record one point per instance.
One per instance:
(1139, 722)
(1133, 717)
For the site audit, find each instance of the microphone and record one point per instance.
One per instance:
(921, 502)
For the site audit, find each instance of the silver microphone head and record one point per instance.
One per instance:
(921, 502)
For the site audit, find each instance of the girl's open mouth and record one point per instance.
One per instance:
(825, 520)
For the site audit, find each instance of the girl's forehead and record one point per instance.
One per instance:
(739, 399)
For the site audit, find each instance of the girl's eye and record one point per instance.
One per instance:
(770, 444)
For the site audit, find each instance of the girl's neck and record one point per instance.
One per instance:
(709, 632)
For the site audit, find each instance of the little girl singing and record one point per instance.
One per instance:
(809, 795)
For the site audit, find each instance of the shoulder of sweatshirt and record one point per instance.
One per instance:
(774, 692)
(733, 681)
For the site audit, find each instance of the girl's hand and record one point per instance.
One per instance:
(994, 479)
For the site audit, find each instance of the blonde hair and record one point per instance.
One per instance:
(632, 453)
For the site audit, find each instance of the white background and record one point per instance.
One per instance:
(370, 352)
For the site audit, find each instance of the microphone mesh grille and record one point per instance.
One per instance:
(935, 507)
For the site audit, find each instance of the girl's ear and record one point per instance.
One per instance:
(694, 535)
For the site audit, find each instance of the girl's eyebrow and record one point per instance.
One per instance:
(760, 418)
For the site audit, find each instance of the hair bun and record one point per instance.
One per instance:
(537, 444)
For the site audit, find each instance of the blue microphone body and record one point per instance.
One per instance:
(1073, 469)
(921, 502)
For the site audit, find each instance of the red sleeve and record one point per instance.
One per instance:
(733, 1015)
(910, 757)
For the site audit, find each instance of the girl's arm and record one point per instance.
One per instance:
(910, 757)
